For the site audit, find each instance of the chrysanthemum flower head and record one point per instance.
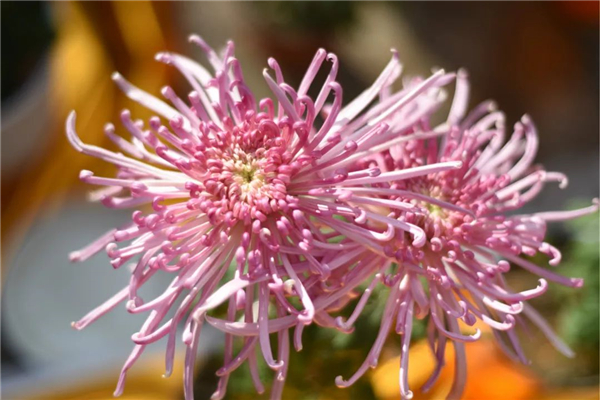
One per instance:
(472, 235)
(240, 201)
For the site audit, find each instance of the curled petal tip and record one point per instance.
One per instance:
(84, 174)
(526, 119)
(419, 239)
(340, 382)
(335, 86)
(408, 395)
(563, 184)
(163, 57)
(277, 365)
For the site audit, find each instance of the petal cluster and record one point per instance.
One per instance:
(273, 214)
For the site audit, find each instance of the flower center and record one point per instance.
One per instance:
(244, 171)
(435, 214)
(435, 211)
(437, 220)
(247, 179)
(247, 174)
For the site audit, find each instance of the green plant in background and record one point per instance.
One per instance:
(579, 314)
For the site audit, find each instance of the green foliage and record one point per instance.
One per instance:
(307, 16)
(579, 314)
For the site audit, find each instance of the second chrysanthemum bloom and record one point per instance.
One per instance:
(473, 234)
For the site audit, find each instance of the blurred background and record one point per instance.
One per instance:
(539, 58)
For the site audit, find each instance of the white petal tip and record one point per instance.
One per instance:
(526, 119)
(163, 57)
(569, 353)
(75, 256)
(340, 382)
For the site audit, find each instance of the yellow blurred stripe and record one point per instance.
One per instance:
(80, 68)
(144, 382)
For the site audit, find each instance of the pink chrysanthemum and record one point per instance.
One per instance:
(472, 236)
(242, 201)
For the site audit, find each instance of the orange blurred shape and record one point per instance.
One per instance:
(581, 11)
(584, 393)
(490, 375)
